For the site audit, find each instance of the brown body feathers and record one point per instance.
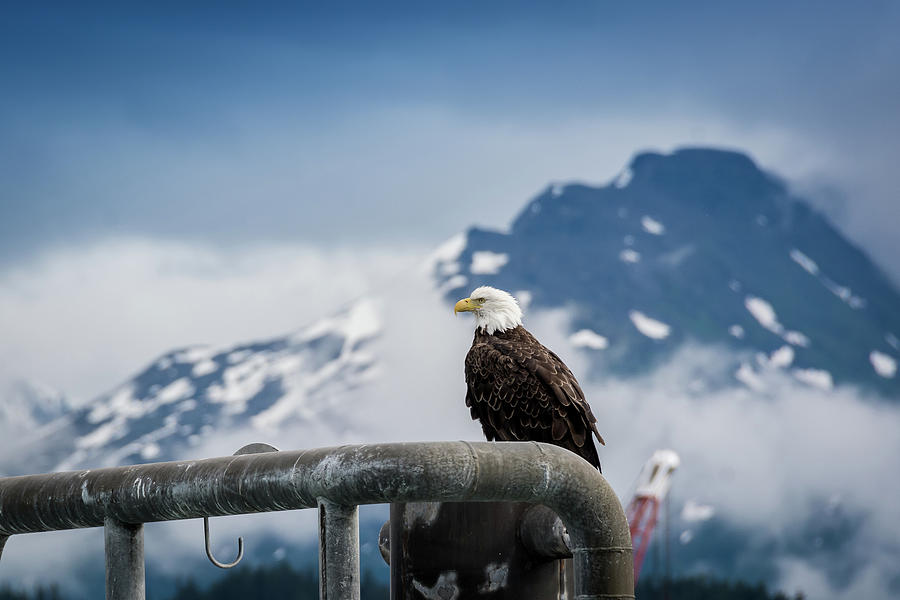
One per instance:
(521, 391)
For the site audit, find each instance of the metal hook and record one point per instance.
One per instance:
(209, 555)
(256, 448)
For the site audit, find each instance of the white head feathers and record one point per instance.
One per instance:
(495, 309)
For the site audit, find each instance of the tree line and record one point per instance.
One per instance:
(285, 582)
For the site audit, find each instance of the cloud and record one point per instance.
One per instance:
(762, 461)
(81, 319)
(417, 174)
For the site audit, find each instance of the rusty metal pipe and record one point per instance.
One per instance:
(347, 476)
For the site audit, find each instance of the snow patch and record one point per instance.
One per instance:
(485, 262)
(737, 331)
(652, 226)
(856, 303)
(844, 293)
(177, 390)
(782, 358)
(651, 328)
(204, 367)
(694, 511)
(796, 338)
(623, 179)
(816, 378)
(362, 322)
(238, 356)
(629, 256)
(808, 264)
(678, 255)
(764, 313)
(101, 435)
(239, 384)
(586, 338)
(119, 402)
(884, 365)
(841, 291)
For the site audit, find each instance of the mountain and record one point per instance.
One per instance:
(697, 245)
(189, 394)
(698, 248)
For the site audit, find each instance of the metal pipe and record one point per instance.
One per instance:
(124, 545)
(466, 550)
(384, 542)
(542, 532)
(338, 551)
(346, 475)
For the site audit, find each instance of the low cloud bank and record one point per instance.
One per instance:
(82, 319)
(761, 461)
(767, 463)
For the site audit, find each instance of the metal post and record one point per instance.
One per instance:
(338, 551)
(466, 550)
(124, 545)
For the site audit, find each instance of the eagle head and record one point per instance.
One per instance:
(494, 310)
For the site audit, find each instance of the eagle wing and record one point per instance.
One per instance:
(521, 391)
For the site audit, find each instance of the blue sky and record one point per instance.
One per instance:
(359, 123)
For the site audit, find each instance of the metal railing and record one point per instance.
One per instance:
(336, 481)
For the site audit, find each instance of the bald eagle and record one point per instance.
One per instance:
(518, 389)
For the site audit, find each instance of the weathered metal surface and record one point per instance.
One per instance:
(338, 551)
(384, 542)
(542, 532)
(254, 448)
(348, 476)
(466, 550)
(124, 545)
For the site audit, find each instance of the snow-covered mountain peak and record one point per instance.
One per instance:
(187, 394)
(698, 245)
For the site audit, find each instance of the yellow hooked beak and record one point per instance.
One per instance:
(465, 305)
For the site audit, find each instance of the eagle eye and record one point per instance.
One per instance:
(479, 299)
